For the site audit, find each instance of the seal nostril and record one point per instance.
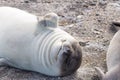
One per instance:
(68, 51)
(66, 57)
(66, 54)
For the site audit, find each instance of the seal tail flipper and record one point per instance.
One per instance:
(3, 62)
(49, 20)
(115, 26)
(99, 73)
(116, 23)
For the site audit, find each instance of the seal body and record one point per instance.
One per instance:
(113, 54)
(113, 60)
(37, 44)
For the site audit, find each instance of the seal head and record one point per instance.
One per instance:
(71, 57)
(61, 53)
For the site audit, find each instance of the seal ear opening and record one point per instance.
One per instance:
(49, 20)
(99, 73)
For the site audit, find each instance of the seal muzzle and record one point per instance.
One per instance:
(71, 57)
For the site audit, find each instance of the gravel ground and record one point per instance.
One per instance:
(86, 20)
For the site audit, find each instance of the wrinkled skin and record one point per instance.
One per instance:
(37, 44)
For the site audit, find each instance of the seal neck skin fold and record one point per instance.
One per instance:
(58, 53)
(47, 46)
(37, 44)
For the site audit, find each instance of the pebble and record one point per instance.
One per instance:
(79, 18)
(26, 1)
(102, 2)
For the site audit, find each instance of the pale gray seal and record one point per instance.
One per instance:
(113, 60)
(37, 44)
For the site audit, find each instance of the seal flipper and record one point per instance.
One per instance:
(99, 72)
(49, 20)
(3, 62)
(115, 26)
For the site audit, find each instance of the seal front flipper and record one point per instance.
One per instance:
(99, 72)
(49, 20)
(3, 62)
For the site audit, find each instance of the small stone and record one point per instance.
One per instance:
(59, 78)
(83, 43)
(99, 20)
(85, 5)
(92, 3)
(26, 1)
(102, 2)
(95, 77)
(79, 18)
(97, 14)
(33, 0)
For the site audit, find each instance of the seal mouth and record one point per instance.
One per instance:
(71, 57)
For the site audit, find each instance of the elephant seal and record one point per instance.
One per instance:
(113, 60)
(37, 44)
